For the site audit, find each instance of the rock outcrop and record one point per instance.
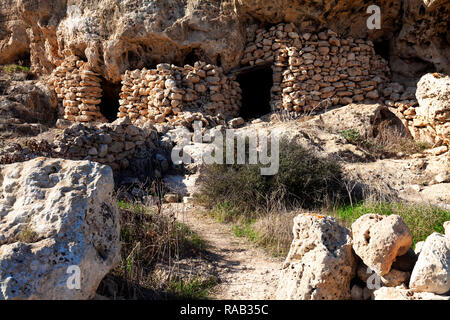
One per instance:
(432, 270)
(117, 36)
(58, 221)
(423, 41)
(26, 107)
(320, 263)
(431, 122)
(378, 240)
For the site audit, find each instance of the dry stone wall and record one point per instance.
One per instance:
(116, 144)
(311, 71)
(175, 94)
(79, 90)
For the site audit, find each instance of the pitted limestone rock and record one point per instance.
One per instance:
(57, 217)
(432, 270)
(378, 240)
(320, 263)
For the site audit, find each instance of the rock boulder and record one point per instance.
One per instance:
(433, 96)
(378, 240)
(432, 270)
(58, 221)
(320, 263)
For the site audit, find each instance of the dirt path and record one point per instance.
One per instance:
(245, 272)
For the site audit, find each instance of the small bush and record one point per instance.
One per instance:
(351, 135)
(27, 235)
(246, 230)
(303, 179)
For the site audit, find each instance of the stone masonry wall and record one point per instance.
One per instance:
(79, 90)
(311, 71)
(116, 144)
(173, 94)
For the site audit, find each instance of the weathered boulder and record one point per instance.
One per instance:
(361, 118)
(433, 96)
(26, 107)
(401, 293)
(432, 270)
(418, 248)
(378, 240)
(58, 220)
(320, 263)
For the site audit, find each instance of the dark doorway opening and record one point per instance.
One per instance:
(382, 48)
(256, 84)
(110, 100)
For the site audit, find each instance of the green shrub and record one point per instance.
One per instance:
(351, 135)
(303, 179)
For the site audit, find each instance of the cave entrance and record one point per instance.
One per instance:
(382, 48)
(109, 106)
(256, 84)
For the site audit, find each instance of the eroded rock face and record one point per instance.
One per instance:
(361, 118)
(115, 36)
(432, 270)
(432, 117)
(55, 214)
(378, 240)
(422, 43)
(320, 263)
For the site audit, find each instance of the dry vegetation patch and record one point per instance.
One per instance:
(160, 257)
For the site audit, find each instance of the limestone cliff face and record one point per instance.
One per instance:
(423, 41)
(115, 35)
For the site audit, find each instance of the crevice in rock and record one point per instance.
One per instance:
(194, 55)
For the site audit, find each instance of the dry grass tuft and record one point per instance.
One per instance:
(390, 140)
